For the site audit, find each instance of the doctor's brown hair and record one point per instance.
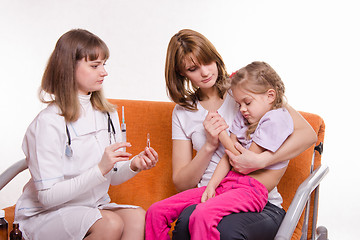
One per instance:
(190, 45)
(58, 81)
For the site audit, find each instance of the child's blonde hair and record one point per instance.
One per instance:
(258, 77)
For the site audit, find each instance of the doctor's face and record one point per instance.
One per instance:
(90, 75)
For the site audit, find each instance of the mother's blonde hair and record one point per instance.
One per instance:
(58, 81)
(190, 45)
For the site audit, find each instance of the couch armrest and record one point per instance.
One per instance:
(11, 172)
(298, 203)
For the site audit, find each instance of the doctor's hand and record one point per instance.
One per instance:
(247, 161)
(213, 124)
(145, 160)
(112, 155)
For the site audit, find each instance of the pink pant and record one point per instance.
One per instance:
(236, 193)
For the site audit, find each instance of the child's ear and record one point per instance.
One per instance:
(271, 95)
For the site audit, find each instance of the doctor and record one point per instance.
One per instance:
(72, 151)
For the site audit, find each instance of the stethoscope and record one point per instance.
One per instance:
(111, 131)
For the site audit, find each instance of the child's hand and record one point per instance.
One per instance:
(145, 160)
(208, 193)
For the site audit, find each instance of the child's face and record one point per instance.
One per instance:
(90, 75)
(253, 106)
(202, 76)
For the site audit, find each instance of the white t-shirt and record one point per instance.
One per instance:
(188, 125)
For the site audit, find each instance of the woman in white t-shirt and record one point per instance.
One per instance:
(73, 151)
(196, 78)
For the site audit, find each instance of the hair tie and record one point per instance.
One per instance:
(233, 74)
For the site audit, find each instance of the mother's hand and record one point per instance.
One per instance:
(247, 161)
(214, 124)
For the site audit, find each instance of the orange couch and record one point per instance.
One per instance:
(149, 186)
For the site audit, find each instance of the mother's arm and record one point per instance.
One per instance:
(301, 139)
(188, 171)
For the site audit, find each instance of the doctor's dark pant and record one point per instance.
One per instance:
(241, 226)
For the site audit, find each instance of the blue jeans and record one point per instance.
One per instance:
(244, 225)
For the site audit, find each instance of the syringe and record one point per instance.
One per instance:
(123, 128)
(123, 132)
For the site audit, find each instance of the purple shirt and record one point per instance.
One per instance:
(273, 129)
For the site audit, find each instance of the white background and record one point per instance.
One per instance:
(313, 45)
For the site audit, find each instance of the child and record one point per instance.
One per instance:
(73, 156)
(262, 124)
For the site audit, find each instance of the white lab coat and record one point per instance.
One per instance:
(80, 190)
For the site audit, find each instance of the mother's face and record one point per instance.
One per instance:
(201, 75)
